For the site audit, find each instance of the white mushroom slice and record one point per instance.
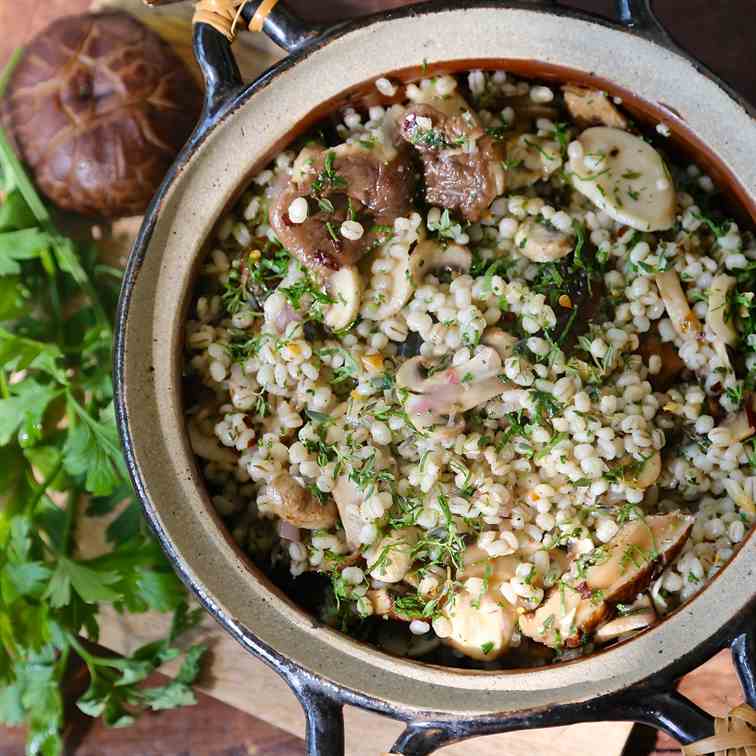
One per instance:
(742, 424)
(450, 104)
(481, 626)
(209, 448)
(625, 177)
(501, 341)
(402, 283)
(683, 318)
(450, 391)
(541, 242)
(430, 256)
(383, 152)
(381, 601)
(391, 559)
(717, 316)
(348, 499)
(345, 286)
(478, 563)
(590, 107)
(626, 624)
(530, 158)
(304, 162)
(647, 473)
(298, 506)
(615, 574)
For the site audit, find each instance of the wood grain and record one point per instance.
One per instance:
(234, 675)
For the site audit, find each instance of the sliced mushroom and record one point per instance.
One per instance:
(304, 168)
(348, 498)
(345, 286)
(646, 473)
(347, 181)
(625, 177)
(618, 571)
(461, 163)
(450, 391)
(541, 242)
(742, 424)
(481, 626)
(683, 318)
(429, 256)
(718, 316)
(402, 281)
(477, 563)
(591, 107)
(381, 601)
(452, 104)
(628, 623)
(298, 506)
(391, 559)
(530, 158)
(209, 448)
(501, 341)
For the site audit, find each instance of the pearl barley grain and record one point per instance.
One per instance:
(298, 210)
(352, 230)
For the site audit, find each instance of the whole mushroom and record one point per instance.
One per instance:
(99, 106)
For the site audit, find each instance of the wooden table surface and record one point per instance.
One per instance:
(721, 34)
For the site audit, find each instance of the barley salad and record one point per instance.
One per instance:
(468, 373)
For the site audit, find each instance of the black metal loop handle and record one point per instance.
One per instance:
(216, 59)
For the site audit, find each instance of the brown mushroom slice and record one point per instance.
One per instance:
(429, 256)
(481, 626)
(209, 447)
(530, 158)
(591, 107)
(541, 242)
(627, 623)
(298, 506)
(501, 341)
(373, 184)
(683, 318)
(461, 164)
(620, 570)
(390, 560)
(348, 498)
(453, 390)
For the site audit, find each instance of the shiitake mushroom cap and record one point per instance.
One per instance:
(99, 106)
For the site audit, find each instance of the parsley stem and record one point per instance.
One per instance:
(4, 390)
(44, 485)
(72, 510)
(13, 165)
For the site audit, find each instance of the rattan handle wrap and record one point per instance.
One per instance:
(225, 15)
(734, 735)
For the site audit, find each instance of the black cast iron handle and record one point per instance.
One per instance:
(656, 703)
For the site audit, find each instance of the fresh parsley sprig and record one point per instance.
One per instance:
(59, 448)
